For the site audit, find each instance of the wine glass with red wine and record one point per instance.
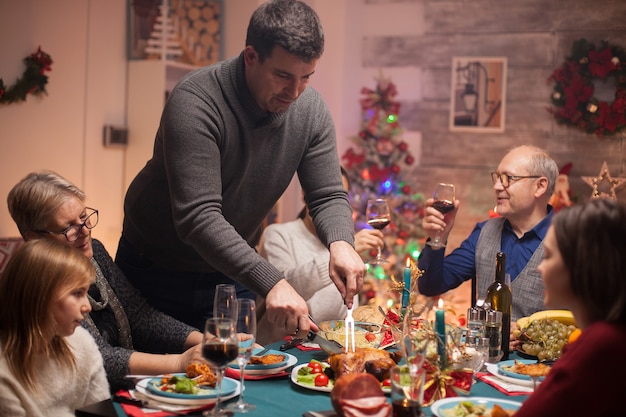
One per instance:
(444, 202)
(378, 216)
(219, 347)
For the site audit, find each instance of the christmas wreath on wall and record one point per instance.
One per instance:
(573, 94)
(33, 80)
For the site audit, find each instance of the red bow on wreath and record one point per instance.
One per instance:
(382, 97)
(446, 383)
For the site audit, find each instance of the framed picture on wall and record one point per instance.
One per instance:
(478, 96)
(187, 32)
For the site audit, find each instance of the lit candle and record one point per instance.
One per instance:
(406, 292)
(440, 329)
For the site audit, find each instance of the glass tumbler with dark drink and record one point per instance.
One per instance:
(378, 216)
(407, 391)
(444, 197)
(219, 348)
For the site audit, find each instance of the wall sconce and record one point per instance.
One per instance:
(471, 74)
(470, 97)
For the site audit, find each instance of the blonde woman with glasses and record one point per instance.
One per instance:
(133, 337)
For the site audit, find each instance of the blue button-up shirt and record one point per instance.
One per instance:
(445, 273)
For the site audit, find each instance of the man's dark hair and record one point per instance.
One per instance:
(290, 24)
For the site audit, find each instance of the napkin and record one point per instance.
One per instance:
(135, 411)
(505, 387)
(235, 374)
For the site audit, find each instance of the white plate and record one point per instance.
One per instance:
(291, 361)
(439, 406)
(142, 387)
(327, 388)
(492, 368)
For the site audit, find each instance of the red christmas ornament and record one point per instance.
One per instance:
(409, 160)
(406, 189)
(403, 146)
(395, 169)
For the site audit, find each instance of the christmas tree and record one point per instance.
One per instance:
(377, 167)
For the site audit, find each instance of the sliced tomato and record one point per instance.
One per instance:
(321, 380)
(386, 382)
(315, 367)
(370, 337)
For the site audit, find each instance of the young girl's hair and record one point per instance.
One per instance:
(37, 275)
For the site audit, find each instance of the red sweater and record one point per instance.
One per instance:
(588, 379)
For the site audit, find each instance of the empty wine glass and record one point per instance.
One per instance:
(246, 333)
(444, 202)
(224, 301)
(378, 216)
(219, 348)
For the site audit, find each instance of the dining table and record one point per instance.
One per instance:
(280, 397)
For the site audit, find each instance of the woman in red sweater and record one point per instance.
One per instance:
(584, 270)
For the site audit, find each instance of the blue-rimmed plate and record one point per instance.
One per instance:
(179, 404)
(506, 368)
(445, 407)
(155, 387)
(257, 367)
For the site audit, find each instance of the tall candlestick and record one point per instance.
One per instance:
(440, 329)
(406, 291)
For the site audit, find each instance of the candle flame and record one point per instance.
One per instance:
(440, 303)
(408, 262)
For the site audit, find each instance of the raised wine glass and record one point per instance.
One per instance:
(219, 348)
(444, 197)
(378, 216)
(246, 333)
(224, 301)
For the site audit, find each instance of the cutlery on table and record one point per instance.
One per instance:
(261, 353)
(291, 344)
(349, 325)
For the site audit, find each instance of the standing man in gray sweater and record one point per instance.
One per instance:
(231, 137)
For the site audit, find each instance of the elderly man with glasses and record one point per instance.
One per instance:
(523, 184)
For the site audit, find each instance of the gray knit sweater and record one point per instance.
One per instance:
(219, 165)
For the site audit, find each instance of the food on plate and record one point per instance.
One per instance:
(470, 409)
(530, 369)
(545, 338)
(311, 375)
(365, 334)
(377, 362)
(359, 395)
(178, 384)
(269, 359)
(201, 374)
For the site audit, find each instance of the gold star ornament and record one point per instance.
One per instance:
(603, 185)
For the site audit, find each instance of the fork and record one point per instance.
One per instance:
(349, 325)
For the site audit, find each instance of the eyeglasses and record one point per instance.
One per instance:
(73, 232)
(506, 179)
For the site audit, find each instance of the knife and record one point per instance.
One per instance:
(331, 346)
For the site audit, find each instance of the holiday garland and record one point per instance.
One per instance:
(573, 94)
(33, 80)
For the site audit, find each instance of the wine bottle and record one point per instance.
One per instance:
(500, 297)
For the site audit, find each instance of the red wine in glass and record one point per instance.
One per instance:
(444, 197)
(379, 224)
(219, 348)
(220, 354)
(378, 216)
(443, 206)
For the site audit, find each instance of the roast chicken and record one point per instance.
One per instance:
(377, 362)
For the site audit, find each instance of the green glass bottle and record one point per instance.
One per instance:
(500, 297)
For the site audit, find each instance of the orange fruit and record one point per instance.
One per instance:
(574, 336)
